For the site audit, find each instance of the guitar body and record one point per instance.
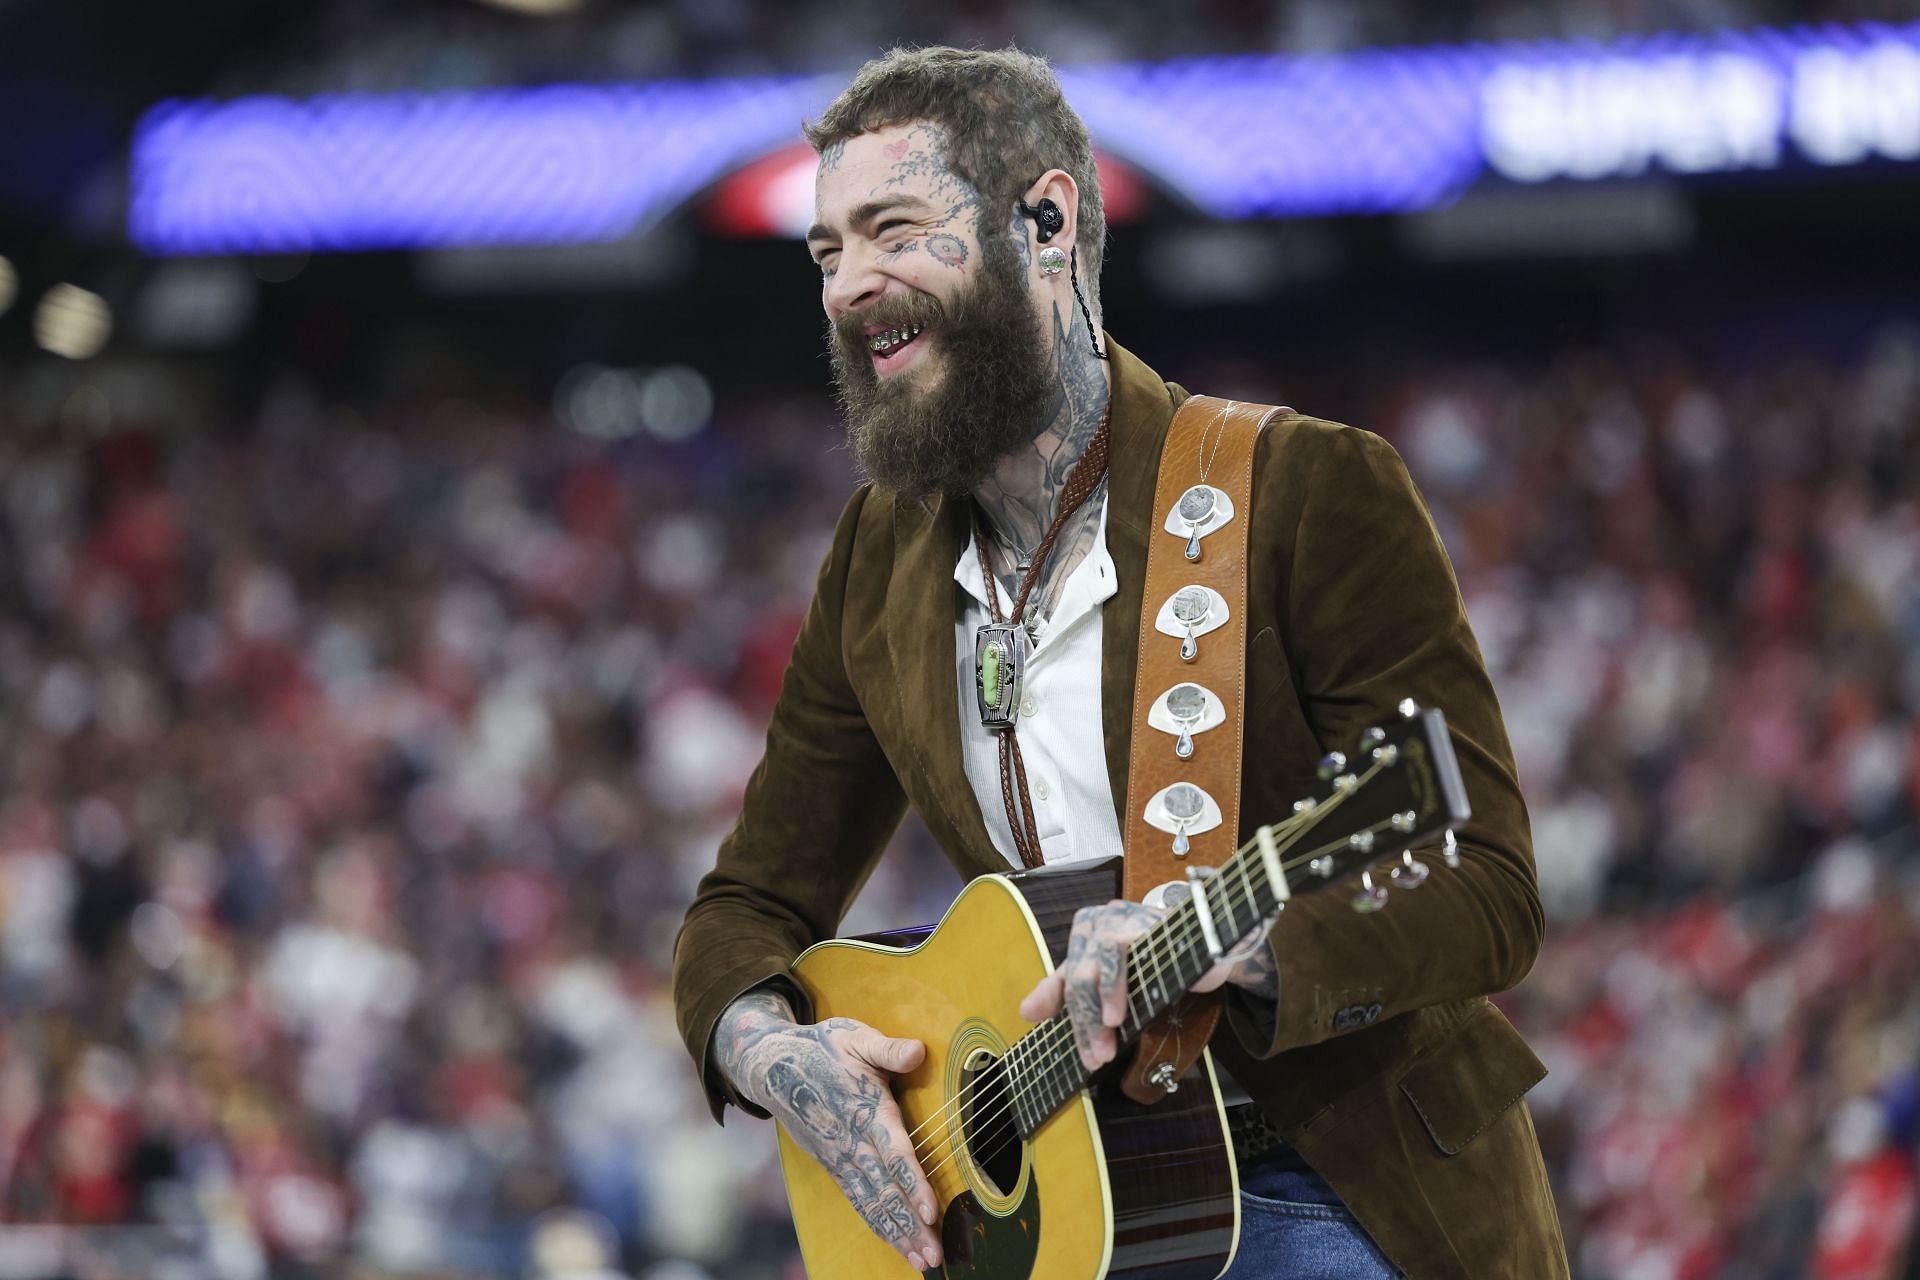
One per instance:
(1105, 1187)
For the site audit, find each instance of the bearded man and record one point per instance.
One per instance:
(959, 236)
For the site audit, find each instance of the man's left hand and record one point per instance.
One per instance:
(1092, 982)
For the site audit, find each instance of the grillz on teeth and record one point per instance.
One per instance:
(892, 338)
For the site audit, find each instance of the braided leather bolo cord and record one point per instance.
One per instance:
(1086, 477)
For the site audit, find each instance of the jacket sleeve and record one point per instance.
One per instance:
(818, 812)
(1373, 615)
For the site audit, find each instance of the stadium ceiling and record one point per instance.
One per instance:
(75, 77)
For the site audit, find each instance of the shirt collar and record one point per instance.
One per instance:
(1092, 584)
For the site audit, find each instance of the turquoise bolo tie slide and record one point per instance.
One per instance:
(999, 667)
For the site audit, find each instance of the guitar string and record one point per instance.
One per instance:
(999, 1135)
(1060, 1031)
(1233, 898)
(1053, 1081)
(1295, 827)
(1056, 1035)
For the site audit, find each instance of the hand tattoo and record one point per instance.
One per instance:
(835, 1106)
(742, 1026)
(1096, 974)
(1258, 974)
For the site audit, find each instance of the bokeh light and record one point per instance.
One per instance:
(72, 322)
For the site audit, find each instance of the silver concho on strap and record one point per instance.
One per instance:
(1200, 510)
(1184, 710)
(1189, 613)
(1186, 703)
(1182, 809)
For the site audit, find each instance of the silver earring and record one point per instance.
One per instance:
(1053, 260)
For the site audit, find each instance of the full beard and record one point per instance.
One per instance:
(993, 396)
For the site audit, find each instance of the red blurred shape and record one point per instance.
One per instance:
(773, 196)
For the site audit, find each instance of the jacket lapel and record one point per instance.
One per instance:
(920, 645)
(1143, 407)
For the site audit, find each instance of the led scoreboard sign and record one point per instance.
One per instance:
(1378, 131)
(1745, 105)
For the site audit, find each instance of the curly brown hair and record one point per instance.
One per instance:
(1005, 120)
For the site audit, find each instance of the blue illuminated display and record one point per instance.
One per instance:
(1389, 131)
(556, 165)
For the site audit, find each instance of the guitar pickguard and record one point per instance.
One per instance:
(991, 1246)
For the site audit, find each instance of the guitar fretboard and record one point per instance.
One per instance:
(1043, 1067)
(1408, 788)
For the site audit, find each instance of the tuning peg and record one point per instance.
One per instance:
(1373, 737)
(1386, 755)
(1332, 763)
(1408, 708)
(1360, 842)
(1450, 850)
(1370, 896)
(1404, 821)
(1411, 873)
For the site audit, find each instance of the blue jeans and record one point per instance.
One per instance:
(1293, 1227)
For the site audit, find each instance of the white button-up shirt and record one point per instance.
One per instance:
(1061, 736)
(1062, 740)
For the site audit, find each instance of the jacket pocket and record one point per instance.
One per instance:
(1281, 747)
(1270, 691)
(1471, 1079)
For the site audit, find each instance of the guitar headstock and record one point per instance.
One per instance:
(1399, 789)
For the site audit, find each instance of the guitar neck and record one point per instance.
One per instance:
(1044, 1067)
(1406, 788)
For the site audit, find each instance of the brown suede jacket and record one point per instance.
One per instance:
(1410, 1108)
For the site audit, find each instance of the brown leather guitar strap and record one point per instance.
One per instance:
(1189, 712)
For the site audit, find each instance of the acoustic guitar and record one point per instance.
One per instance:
(1043, 1171)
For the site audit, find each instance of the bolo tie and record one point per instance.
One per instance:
(1000, 647)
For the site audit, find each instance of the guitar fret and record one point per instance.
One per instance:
(1240, 861)
(1016, 1088)
(1225, 920)
(1043, 1070)
(1164, 962)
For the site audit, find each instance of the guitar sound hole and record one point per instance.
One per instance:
(986, 1117)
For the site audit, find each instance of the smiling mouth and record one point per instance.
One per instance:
(891, 342)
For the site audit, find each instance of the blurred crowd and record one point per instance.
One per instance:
(1698, 589)
(356, 764)
(355, 772)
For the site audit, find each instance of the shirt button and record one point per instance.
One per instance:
(1040, 789)
(1028, 707)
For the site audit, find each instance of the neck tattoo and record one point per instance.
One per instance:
(1022, 495)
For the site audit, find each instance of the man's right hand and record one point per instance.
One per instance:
(829, 1084)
